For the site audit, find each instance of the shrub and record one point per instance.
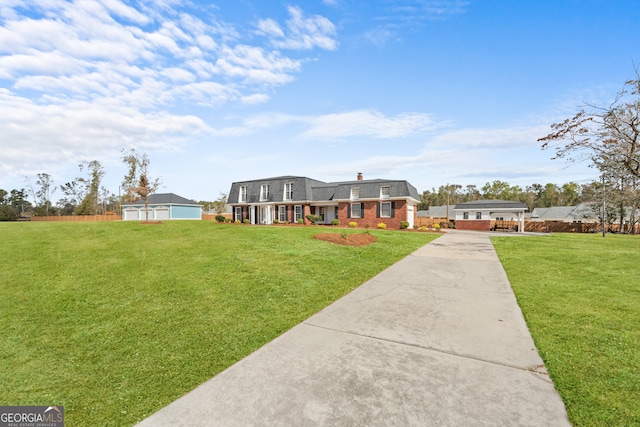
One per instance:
(246, 221)
(353, 224)
(382, 225)
(436, 226)
(300, 221)
(313, 218)
(219, 218)
(335, 221)
(404, 224)
(275, 221)
(237, 221)
(227, 220)
(343, 236)
(423, 228)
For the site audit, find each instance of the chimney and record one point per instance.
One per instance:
(359, 176)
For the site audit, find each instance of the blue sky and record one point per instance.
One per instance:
(431, 91)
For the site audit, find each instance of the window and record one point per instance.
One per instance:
(355, 193)
(242, 198)
(356, 210)
(384, 192)
(465, 215)
(282, 213)
(264, 192)
(478, 215)
(321, 212)
(238, 215)
(385, 210)
(297, 213)
(288, 191)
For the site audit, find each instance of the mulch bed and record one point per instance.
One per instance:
(351, 240)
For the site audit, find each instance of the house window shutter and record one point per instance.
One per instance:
(348, 210)
(378, 210)
(362, 215)
(393, 209)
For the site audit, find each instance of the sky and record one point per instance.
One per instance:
(434, 92)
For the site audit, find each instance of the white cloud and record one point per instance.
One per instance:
(82, 78)
(341, 126)
(368, 123)
(302, 33)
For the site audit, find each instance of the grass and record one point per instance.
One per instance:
(116, 320)
(580, 295)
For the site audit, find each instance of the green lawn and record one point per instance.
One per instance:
(580, 295)
(115, 320)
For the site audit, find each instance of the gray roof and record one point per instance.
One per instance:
(565, 213)
(491, 204)
(370, 189)
(311, 190)
(438, 212)
(301, 189)
(165, 199)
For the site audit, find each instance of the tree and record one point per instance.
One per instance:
(18, 200)
(74, 192)
(136, 182)
(607, 136)
(42, 193)
(219, 205)
(90, 202)
(472, 193)
(7, 212)
(500, 190)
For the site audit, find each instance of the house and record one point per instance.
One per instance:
(485, 215)
(582, 213)
(163, 206)
(289, 199)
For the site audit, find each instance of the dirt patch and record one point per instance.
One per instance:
(351, 239)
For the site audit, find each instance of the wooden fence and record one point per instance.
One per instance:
(77, 218)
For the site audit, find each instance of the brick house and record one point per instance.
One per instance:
(291, 198)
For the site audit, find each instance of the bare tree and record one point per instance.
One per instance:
(42, 194)
(606, 136)
(137, 181)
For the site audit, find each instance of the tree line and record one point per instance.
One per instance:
(534, 195)
(85, 194)
(621, 196)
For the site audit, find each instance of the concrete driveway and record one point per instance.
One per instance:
(437, 339)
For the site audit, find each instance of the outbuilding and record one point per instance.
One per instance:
(162, 206)
(486, 215)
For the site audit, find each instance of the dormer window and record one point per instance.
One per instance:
(288, 191)
(355, 193)
(264, 192)
(242, 197)
(384, 192)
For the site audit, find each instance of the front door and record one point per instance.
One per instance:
(410, 210)
(266, 214)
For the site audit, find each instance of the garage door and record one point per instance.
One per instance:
(162, 213)
(131, 214)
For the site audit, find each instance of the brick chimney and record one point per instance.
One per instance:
(359, 176)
